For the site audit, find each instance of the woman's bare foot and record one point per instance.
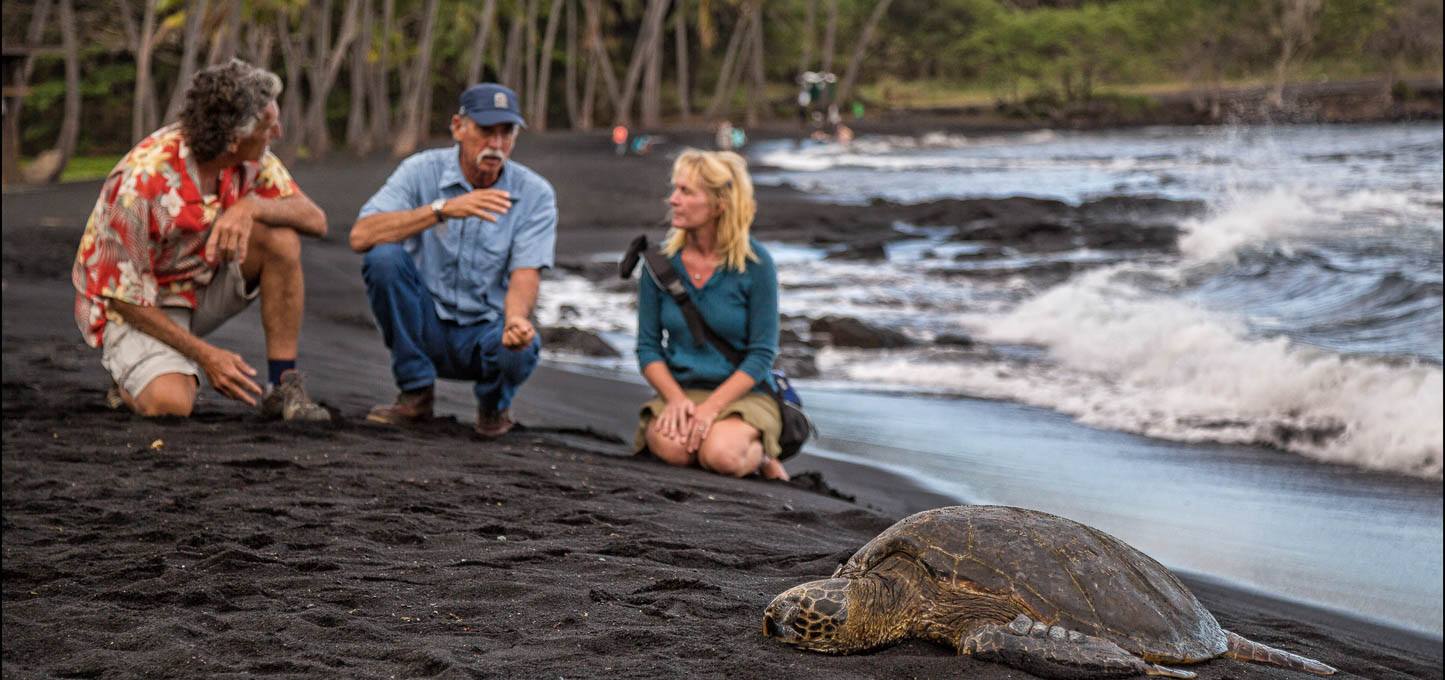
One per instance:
(772, 469)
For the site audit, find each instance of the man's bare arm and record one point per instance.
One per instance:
(390, 227)
(400, 225)
(517, 309)
(226, 371)
(296, 211)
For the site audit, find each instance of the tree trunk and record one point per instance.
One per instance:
(600, 58)
(476, 57)
(589, 95)
(190, 44)
(860, 48)
(544, 68)
(512, 68)
(652, 83)
(530, 56)
(413, 130)
(651, 30)
(142, 109)
(1296, 28)
(70, 123)
(569, 67)
(679, 36)
(756, 91)
(830, 32)
(227, 36)
(381, 112)
(14, 104)
(325, 64)
(293, 59)
(722, 91)
(810, 12)
(356, 137)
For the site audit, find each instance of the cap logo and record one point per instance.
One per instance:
(499, 100)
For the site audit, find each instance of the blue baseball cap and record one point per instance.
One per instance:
(492, 104)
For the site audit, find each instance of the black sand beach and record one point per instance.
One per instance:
(226, 546)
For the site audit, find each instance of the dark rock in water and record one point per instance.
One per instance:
(569, 339)
(797, 364)
(1023, 233)
(1122, 235)
(954, 340)
(861, 250)
(849, 332)
(1139, 208)
(987, 253)
(590, 270)
(568, 312)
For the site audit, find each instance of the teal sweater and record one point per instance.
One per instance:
(742, 307)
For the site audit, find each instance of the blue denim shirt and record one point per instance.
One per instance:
(466, 262)
(741, 307)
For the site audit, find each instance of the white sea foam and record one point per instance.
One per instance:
(1164, 368)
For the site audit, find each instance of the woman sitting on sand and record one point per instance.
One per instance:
(709, 411)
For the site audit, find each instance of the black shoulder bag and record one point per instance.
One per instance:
(797, 427)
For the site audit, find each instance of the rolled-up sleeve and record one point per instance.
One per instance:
(402, 191)
(649, 321)
(535, 242)
(762, 347)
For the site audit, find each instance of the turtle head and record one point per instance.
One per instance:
(835, 615)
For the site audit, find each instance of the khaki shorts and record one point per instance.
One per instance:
(755, 408)
(134, 359)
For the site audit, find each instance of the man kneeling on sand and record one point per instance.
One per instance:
(191, 226)
(455, 243)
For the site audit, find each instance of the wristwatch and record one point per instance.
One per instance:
(436, 208)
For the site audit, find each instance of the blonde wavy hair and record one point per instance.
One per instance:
(724, 176)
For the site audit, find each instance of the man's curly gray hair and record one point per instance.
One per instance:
(224, 102)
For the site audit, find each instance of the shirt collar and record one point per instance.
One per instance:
(452, 173)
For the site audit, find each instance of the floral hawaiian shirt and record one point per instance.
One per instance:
(145, 240)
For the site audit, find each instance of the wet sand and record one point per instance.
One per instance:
(225, 546)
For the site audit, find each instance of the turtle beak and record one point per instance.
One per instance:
(778, 620)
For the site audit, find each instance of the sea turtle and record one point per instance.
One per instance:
(1025, 588)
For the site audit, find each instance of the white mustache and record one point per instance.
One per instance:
(490, 153)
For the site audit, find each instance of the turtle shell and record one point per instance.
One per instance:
(1062, 572)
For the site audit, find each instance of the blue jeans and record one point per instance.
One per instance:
(425, 347)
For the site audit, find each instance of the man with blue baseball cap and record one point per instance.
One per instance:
(454, 245)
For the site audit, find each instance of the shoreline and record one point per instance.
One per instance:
(392, 535)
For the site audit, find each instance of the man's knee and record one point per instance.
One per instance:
(517, 364)
(384, 262)
(171, 394)
(278, 244)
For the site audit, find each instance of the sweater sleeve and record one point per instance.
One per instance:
(762, 345)
(649, 320)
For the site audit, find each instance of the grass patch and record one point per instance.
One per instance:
(83, 168)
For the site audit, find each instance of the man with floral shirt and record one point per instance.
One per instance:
(193, 224)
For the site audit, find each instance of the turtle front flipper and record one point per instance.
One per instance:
(1053, 652)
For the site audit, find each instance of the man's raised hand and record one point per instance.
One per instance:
(487, 204)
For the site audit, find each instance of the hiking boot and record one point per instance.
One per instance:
(288, 400)
(492, 424)
(410, 407)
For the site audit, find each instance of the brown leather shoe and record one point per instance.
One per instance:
(493, 424)
(410, 407)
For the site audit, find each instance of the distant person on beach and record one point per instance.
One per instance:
(455, 244)
(708, 411)
(194, 223)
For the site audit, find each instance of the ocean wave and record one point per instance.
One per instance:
(1126, 360)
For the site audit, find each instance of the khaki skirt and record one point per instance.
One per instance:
(755, 408)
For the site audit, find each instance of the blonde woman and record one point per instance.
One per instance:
(709, 411)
